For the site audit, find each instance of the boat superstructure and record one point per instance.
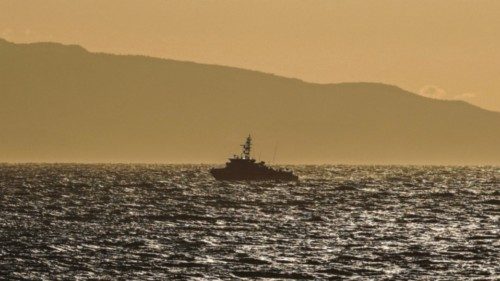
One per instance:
(244, 167)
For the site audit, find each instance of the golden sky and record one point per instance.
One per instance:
(446, 49)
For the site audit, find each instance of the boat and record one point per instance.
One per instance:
(245, 168)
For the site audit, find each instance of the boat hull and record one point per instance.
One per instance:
(224, 174)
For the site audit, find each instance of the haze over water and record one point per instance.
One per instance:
(150, 222)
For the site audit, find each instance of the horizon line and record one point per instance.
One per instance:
(217, 164)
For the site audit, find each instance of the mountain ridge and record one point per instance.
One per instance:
(83, 49)
(178, 106)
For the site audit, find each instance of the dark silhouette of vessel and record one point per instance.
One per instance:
(245, 168)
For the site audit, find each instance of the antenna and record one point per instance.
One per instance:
(275, 149)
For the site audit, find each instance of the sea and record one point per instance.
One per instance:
(175, 222)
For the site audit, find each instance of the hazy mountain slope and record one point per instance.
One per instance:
(62, 103)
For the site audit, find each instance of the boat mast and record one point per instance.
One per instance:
(247, 147)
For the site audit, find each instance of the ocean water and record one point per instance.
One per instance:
(163, 222)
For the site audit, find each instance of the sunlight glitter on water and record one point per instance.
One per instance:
(150, 222)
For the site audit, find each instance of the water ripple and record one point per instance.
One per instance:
(150, 222)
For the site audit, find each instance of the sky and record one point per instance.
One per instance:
(445, 49)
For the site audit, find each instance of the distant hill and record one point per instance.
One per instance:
(63, 103)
